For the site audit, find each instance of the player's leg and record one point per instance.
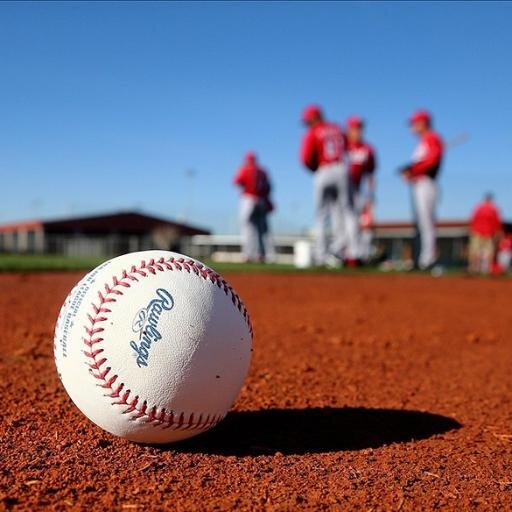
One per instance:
(261, 228)
(416, 243)
(421, 214)
(487, 254)
(267, 239)
(505, 260)
(347, 213)
(339, 244)
(356, 202)
(244, 220)
(425, 195)
(365, 247)
(248, 229)
(474, 254)
(336, 212)
(321, 216)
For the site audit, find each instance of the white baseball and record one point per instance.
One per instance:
(153, 346)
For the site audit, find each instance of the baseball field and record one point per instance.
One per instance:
(366, 392)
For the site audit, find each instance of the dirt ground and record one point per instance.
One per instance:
(365, 393)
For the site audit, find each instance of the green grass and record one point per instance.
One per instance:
(41, 262)
(249, 267)
(282, 268)
(36, 262)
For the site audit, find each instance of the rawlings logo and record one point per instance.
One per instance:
(145, 325)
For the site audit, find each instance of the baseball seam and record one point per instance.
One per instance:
(97, 362)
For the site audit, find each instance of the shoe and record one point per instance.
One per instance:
(434, 269)
(352, 262)
(437, 271)
(333, 261)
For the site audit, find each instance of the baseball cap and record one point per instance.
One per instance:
(420, 115)
(354, 122)
(310, 112)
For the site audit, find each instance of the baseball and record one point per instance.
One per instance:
(153, 346)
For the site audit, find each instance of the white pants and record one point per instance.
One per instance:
(365, 244)
(364, 237)
(504, 259)
(254, 229)
(332, 205)
(424, 195)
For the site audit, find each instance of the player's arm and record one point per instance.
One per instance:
(370, 175)
(370, 188)
(499, 223)
(473, 220)
(308, 152)
(404, 171)
(372, 162)
(240, 177)
(264, 184)
(268, 185)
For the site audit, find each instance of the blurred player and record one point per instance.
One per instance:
(485, 226)
(255, 206)
(421, 174)
(362, 163)
(504, 257)
(366, 232)
(322, 152)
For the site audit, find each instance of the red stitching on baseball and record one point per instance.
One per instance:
(96, 362)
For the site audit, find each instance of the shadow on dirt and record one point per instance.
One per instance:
(315, 430)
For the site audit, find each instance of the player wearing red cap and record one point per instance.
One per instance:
(421, 174)
(485, 226)
(362, 163)
(255, 205)
(322, 152)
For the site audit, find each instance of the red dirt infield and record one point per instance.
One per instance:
(366, 392)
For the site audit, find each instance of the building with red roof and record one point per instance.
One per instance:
(99, 235)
